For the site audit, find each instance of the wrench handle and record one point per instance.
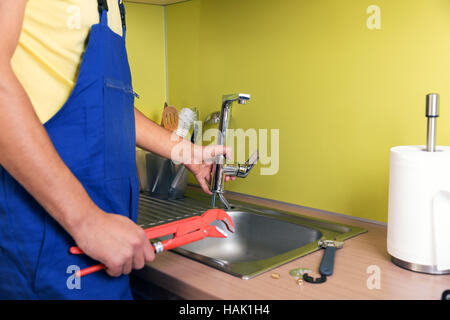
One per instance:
(327, 264)
(89, 270)
(157, 247)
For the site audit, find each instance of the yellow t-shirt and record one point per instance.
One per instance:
(51, 46)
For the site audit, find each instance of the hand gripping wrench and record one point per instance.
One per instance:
(184, 232)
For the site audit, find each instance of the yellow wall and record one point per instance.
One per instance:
(147, 55)
(341, 95)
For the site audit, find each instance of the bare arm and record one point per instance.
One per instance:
(30, 157)
(152, 137)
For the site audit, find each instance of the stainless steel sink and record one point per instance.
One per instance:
(264, 238)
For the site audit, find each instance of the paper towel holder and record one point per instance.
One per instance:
(406, 258)
(428, 269)
(432, 113)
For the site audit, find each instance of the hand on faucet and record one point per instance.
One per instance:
(201, 163)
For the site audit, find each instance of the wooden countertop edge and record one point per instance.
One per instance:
(173, 284)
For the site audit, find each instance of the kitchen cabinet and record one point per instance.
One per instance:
(158, 2)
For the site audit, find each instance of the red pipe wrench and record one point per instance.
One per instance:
(184, 232)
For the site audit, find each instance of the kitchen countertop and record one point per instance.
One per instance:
(354, 269)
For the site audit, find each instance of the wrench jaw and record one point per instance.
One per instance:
(218, 214)
(229, 224)
(216, 232)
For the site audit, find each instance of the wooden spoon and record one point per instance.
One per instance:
(169, 118)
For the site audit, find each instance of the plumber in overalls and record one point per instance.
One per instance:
(68, 137)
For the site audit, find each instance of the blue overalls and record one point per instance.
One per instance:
(94, 133)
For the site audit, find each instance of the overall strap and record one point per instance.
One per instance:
(122, 16)
(103, 11)
(103, 8)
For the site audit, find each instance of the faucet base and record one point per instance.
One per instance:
(222, 199)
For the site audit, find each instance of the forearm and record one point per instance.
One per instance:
(152, 137)
(30, 157)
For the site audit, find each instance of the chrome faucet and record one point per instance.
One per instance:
(220, 168)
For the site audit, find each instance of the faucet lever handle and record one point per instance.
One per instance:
(253, 158)
(242, 170)
(249, 164)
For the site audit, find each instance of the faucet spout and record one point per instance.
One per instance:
(220, 169)
(241, 98)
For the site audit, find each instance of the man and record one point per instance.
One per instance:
(68, 132)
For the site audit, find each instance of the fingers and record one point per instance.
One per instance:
(147, 250)
(204, 186)
(120, 264)
(144, 253)
(139, 260)
(134, 256)
(149, 253)
(127, 267)
(113, 273)
(114, 268)
(230, 178)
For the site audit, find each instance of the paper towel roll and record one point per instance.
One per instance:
(419, 206)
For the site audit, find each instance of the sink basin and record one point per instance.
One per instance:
(264, 238)
(256, 238)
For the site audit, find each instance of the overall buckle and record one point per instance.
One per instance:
(102, 5)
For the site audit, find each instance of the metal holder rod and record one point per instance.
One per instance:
(432, 113)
